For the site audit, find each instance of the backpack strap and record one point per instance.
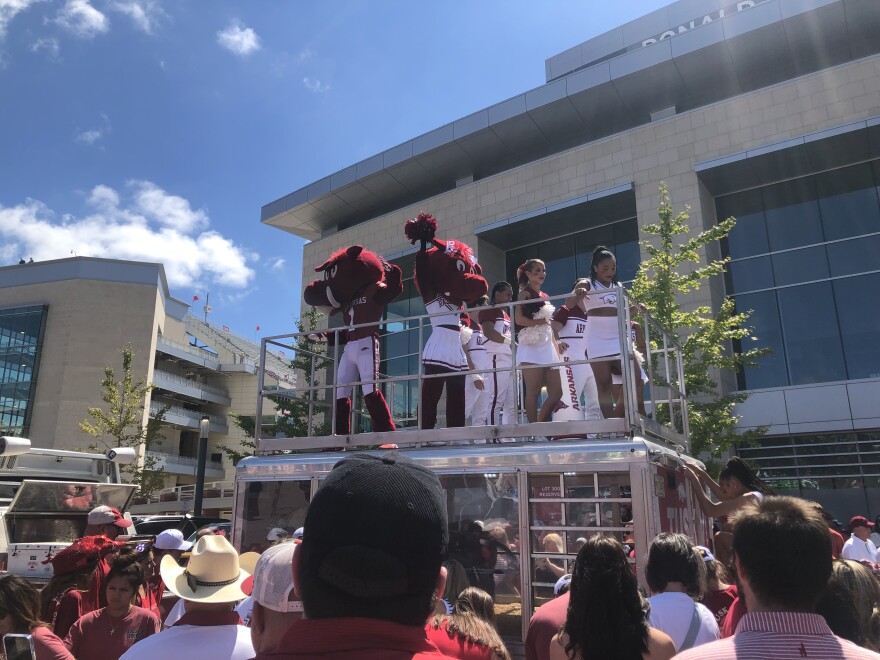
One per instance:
(693, 629)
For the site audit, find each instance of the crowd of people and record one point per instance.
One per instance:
(371, 575)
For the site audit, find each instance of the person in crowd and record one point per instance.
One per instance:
(546, 570)
(536, 344)
(148, 595)
(850, 603)
(858, 546)
(20, 615)
(108, 522)
(456, 582)
(476, 403)
(737, 486)
(719, 595)
(63, 598)
(676, 576)
(603, 335)
(506, 560)
(562, 585)
(569, 323)
(500, 390)
(605, 618)
(275, 605)
(874, 535)
(168, 542)
(277, 534)
(370, 563)
(469, 632)
(107, 633)
(544, 625)
(783, 563)
(210, 585)
(837, 539)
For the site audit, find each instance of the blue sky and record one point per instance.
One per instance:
(156, 129)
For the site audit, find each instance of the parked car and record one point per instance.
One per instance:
(187, 524)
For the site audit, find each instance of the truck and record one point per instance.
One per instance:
(518, 511)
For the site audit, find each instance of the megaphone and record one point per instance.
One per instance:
(122, 455)
(11, 446)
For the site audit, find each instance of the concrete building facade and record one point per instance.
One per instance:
(62, 322)
(765, 110)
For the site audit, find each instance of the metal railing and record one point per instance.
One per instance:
(159, 375)
(195, 416)
(182, 460)
(189, 348)
(187, 492)
(667, 421)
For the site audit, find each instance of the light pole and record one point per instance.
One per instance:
(200, 465)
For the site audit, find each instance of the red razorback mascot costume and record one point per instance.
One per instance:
(358, 283)
(448, 276)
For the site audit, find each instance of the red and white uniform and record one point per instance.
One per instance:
(499, 384)
(360, 357)
(443, 348)
(476, 402)
(577, 379)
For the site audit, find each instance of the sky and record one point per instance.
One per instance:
(155, 130)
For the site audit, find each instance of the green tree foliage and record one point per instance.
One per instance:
(673, 268)
(291, 419)
(120, 424)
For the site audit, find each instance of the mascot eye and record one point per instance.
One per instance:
(461, 265)
(330, 273)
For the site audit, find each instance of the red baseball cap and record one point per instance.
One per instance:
(860, 521)
(107, 515)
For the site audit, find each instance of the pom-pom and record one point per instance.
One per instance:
(538, 334)
(466, 334)
(421, 228)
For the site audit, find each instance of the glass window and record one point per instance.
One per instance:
(749, 236)
(792, 214)
(812, 337)
(269, 504)
(767, 329)
(626, 249)
(750, 275)
(848, 202)
(804, 265)
(558, 256)
(20, 348)
(858, 306)
(854, 256)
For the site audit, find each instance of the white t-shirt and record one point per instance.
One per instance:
(245, 609)
(230, 642)
(671, 612)
(176, 612)
(857, 549)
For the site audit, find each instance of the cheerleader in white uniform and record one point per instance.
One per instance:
(570, 325)
(474, 342)
(603, 337)
(536, 344)
(501, 408)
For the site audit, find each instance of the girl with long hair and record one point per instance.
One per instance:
(63, 599)
(603, 335)
(20, 614)
(605, 616)
(851, 604)
(737, 486)
(536, 344)
(469, 632)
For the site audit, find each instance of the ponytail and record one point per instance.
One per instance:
(600, 254)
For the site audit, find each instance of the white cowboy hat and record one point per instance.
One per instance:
(214, 574)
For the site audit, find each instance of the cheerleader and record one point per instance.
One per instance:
(473, 340)
(603, 337)
(570, 325)
(536, 344)
(496, 328)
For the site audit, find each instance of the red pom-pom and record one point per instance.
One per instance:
(421, 228)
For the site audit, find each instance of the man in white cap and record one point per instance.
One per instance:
(210, 584)
(109, 522)
(275, 605)
(276, 534)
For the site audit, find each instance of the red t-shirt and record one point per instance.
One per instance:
(64, 610)
(546, 622)
(48, 646)
(458, 647)
(736, 612)
(96, 598)
(98, 636)
(719, 602)
(836, 543)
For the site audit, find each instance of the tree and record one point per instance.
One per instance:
(121, 424)
(706, 337)
(292, 414)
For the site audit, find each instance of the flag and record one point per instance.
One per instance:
(225, 328)
(258, 328)
(195, 298)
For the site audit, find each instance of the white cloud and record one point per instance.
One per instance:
(8, 10)
(276, 264)
(315, 85)
(89, 137)
(152, 226)
(238, 39)
(48, 44)
(146, 14)
(83, 20)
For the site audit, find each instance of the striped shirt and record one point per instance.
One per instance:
(780, 636)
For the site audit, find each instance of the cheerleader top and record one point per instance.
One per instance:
(530, 309)
(450, 321)
(601, 296)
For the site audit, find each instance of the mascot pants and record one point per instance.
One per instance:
(432, 390)
(577, 379)
(359, 361)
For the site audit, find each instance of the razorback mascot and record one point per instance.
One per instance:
(447, 276)
(359, 284)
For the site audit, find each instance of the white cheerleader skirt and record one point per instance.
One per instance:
(603, 336)
(443, 349)
(543, 353)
